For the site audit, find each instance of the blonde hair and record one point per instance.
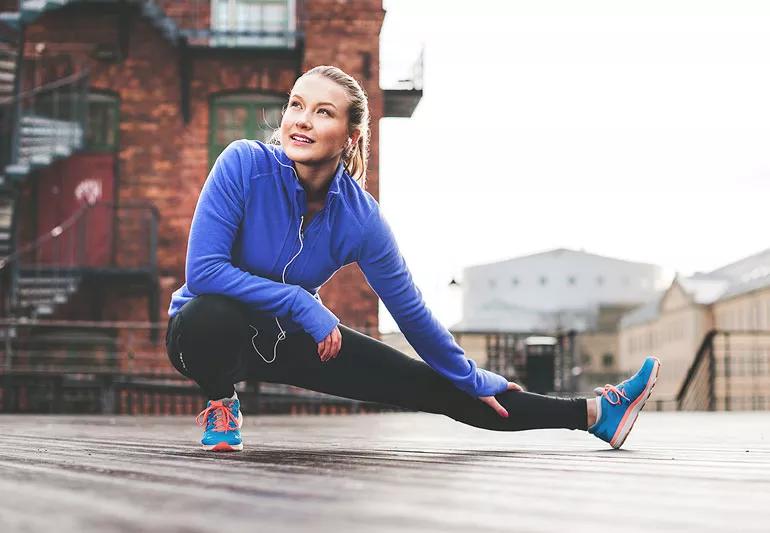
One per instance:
(356, 157)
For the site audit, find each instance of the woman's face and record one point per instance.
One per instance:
(314, 128)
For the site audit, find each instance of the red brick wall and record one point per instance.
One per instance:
(164, 161)
(343, 33)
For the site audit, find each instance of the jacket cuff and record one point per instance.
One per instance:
(488, 383)
(485, 383)
(315, 318)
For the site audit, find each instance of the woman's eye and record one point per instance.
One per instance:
(294, 103)
(323, 111)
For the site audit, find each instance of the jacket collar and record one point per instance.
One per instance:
(290, 176)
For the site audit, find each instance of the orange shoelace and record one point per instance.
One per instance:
(614, 390)
(222, 416)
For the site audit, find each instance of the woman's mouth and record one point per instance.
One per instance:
(300, 140)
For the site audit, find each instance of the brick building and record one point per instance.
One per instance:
(112, 118)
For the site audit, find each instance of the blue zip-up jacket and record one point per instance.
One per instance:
(246, 231)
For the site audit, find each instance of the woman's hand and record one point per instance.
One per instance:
(330, 346)
(494, 404)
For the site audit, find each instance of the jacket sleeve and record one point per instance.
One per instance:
(388, 275)
(209, 268)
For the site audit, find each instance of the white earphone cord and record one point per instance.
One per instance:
(282, 334)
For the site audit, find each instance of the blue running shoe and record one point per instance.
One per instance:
(223, 420)
(619, 405)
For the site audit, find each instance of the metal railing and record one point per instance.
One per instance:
(731, 371)
(100, 235)
(507, 354)
(111, 368)
(229, 23)
(45, 118)
(98, 238)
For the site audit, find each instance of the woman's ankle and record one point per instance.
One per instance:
(590, 411)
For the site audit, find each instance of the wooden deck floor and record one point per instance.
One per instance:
(386, 472)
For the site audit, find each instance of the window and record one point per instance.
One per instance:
(767, 316)
(608, 360)
(600, 280)
(515, 282)
(492, 284)
(244, 116)
(572, 280)
(101, 120)
(273, 16)
(543, 280)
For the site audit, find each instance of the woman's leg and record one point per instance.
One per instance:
(369, 370)
(207, 341)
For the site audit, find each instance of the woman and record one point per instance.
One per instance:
(272, 225)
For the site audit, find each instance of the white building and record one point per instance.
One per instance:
(558, 289)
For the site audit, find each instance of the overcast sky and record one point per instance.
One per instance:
(637, 130)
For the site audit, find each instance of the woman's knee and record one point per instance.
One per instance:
(213, 326)
(214, 315)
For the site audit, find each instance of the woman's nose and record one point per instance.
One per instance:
(303, 121)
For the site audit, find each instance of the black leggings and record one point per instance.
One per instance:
(210, 341)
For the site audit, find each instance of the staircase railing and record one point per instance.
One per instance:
(697, 391)
(50, 123)
(100, 237)
(731, 371)
(258, 24)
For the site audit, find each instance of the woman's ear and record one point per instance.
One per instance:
(354, 137)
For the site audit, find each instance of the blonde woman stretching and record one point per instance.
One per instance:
(273, 223)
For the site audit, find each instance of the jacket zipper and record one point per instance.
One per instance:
(302, 232)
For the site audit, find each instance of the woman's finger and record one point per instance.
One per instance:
(338, 345)
(322, 348)
(494, 404)
(327, 347)
(333, 345)
(514, 386)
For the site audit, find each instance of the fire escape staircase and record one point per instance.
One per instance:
(35, 131)
(32, 9)
(34, 136)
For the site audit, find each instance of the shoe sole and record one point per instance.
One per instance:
(627, 423)
(223, 447)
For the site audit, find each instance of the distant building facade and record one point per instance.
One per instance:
(556, 289)
(734, 298)
(552, 293)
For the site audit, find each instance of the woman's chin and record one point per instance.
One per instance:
(300, 155)
(303, 156)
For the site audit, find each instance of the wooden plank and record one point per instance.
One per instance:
(385, 472)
